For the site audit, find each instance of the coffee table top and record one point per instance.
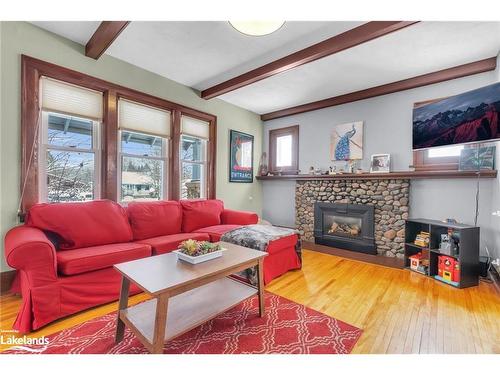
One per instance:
(161, 273)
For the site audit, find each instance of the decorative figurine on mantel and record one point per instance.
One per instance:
(332, 171)
(263, 169)
(355, 167)
(348, 166)
(311, 170)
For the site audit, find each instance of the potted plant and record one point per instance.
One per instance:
(194, 252)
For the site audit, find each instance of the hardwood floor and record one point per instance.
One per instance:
(399, 311)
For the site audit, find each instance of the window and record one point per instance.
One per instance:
(143, 145)
(143, 167)
(78, 136)
(441, 152)
(69, 160)
(193, 158)
(438, 158)
(284, 150)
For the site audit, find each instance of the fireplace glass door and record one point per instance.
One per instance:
(334, 225)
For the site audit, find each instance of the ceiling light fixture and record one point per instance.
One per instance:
(257, 28)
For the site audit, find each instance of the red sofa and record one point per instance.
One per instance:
(65, 252)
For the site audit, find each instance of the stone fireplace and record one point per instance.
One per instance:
(344, 225)
(389, 198)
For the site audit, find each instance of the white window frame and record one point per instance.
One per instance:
(45, 147)
(165, 147)
(203, 163)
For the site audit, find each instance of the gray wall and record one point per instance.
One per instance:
(387, 129)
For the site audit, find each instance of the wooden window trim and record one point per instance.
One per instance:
(421, 162)
(33, 69)
(273, 135)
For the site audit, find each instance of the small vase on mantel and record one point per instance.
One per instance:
(263, 169)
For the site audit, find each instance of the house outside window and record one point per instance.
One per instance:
(143, 164)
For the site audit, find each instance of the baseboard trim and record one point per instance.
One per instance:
(6, 279)
(367, 258)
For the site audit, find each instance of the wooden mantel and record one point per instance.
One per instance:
(385, 176)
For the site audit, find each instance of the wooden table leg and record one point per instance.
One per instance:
(260, 272)
(160, 323)
(123, 304)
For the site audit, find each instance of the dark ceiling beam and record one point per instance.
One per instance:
(406, 84)
(348, 39)
(103, 37)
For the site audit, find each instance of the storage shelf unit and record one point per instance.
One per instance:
(467, 256)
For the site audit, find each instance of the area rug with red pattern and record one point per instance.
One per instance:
(287, 328)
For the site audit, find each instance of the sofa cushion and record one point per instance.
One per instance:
(166, 244)
(153, 219)
(216, 231)
(82, 224)
(238, 217)
(72, 262)
(200, 213)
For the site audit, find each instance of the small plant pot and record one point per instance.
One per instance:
(199, 258)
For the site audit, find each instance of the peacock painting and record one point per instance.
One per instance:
(347, 142)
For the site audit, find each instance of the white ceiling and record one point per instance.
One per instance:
(201, 54)
(418, 49)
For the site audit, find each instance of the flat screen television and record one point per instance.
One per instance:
(464, 118)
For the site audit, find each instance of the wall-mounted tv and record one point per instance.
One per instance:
(464, 118)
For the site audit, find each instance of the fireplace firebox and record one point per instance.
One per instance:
(346, 226)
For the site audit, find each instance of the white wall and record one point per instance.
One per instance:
(387, 129)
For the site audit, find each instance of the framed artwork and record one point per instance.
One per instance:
(346, 142)
(471, 161)
(240, 157)
(464, 118)
(380, 163)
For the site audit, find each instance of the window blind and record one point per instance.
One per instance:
(70, 99)
(195, 127)
(142, 118)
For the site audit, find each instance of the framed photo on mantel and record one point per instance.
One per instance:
(380, 163)
(240, 157)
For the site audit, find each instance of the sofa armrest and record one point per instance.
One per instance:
(28, 249)
(239, 217)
